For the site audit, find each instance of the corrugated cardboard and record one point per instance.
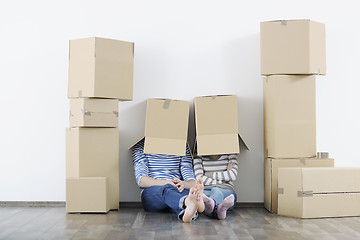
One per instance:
(94, 152)
(87, 195)
(166, 127)
(292, 47)
(271, 175)
(216, 119)
(93, 112)
(289, 116)
(101, 68)
(319, 192)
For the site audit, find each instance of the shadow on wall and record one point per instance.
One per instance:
(243, 75)
(131, 128)
(191, 128)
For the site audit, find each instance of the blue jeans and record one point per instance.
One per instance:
(164, 198)
(218, 194)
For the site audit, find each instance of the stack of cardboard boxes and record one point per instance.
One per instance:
(292, 53)
(297, 183)
(100, 74)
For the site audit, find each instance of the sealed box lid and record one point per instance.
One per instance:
(166, 127)
(319, 192)
(292, 47)
(101, 68)
(93, 112)
(216, 119)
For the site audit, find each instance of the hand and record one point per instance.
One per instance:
(180, 185)
(230, 166)
(171, 182)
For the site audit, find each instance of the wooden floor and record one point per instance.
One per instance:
(134, 223)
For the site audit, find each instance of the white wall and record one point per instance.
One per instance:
(183, 49)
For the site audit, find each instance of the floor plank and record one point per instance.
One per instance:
(135, 223)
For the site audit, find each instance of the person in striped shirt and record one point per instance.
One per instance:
(218, 173)
(168, 182)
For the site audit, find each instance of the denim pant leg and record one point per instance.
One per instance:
(161, 198)
(218, 194)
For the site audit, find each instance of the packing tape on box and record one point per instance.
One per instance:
(283, 22)
(305, 193)
(80, 93)
(166, 104)
(280, 190)
(86, 112)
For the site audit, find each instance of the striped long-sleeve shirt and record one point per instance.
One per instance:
(161, 166)
(214, 171)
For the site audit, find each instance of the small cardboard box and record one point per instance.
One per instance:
(272, 166)
(319, 192)
(289, 116)
(93, 112)
(216, 119)
(292, 47)
(87, 195)
(94, 152)
(166, 127)
(101, 68)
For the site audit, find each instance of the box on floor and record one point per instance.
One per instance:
(87, 195)
(271, 167)
(319, 192)
(94, 152)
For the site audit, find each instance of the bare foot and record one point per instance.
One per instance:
(191, 205)
(199, 185)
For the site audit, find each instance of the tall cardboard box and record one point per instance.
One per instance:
(166, 127)
(93, 112)
(101, 68)
(272, 166)
(292, 47)
(216, 119)
(289, 116)
(87, 195)
(94, 152)
(319, 192)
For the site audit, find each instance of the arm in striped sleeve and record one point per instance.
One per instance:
(186, 166)
(140, 162)
(229, 175)
(199, 171)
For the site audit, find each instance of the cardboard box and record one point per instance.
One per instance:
(166, 127)
(101, 68)
(289, 116)
(272, 166)
(87, 195)
(94, 152)
(216, 119)
(93, 112)
(292, 47)
(319, 192)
